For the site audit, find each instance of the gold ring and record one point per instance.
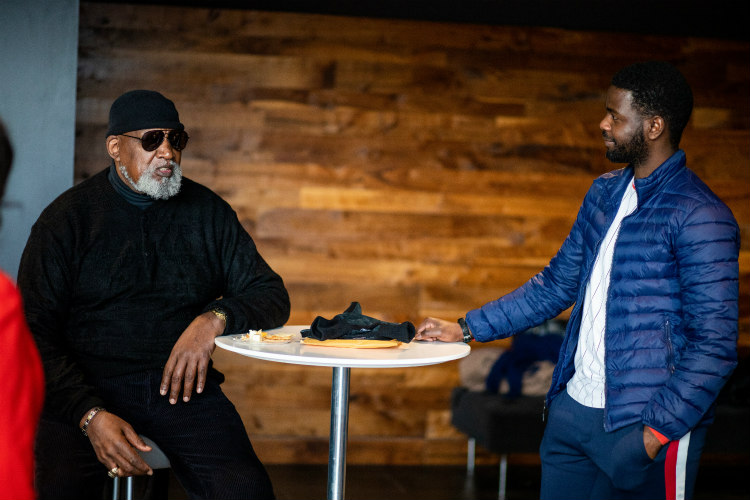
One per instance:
(113, 473)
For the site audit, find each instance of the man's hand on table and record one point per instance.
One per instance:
(439, 329)
(116, 445)
(187, 365)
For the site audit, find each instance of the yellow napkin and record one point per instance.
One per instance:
(353, 343)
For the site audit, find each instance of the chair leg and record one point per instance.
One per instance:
(470, 455)
(116, 488)
(503, 478)
(129, 488)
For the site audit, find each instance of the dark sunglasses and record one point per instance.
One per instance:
(153, 138)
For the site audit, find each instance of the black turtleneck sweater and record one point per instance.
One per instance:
(109, 287)
(140, 200)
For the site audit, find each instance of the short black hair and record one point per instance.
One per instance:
(658, 88)
(6, 158)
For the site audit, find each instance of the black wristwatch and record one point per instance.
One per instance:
(468, 337)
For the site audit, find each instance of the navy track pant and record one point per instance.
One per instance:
(580, 460)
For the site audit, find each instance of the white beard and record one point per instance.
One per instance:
(157, 188)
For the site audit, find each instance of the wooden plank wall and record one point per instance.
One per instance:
(419, 168)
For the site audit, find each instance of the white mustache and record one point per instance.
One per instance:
(166, 163)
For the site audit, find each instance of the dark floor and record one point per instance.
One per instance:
(308, 482)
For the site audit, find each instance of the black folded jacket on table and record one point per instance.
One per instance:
(352, 324)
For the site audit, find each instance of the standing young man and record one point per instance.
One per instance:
(128, 278)
(651, 270)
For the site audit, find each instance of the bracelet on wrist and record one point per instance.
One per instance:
(89, 418)
(468, 337)
(220, 314)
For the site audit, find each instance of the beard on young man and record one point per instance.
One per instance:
(633, 151)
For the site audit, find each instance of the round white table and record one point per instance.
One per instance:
(342, 359)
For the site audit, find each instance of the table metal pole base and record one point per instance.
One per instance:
(339, 429)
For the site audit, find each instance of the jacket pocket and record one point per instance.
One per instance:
(669, 344)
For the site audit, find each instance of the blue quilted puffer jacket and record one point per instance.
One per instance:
(672, 310)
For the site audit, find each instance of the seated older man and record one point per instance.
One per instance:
(127, 279)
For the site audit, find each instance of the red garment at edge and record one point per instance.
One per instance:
(21, 396)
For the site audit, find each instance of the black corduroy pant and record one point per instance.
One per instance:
(204, 439)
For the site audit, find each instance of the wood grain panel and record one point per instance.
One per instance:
(419, 168)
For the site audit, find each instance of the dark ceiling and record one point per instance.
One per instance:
(724, 19)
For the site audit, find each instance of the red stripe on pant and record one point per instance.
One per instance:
(670, 470)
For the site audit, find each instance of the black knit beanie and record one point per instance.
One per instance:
(142, 109)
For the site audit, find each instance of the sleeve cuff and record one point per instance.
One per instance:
(661, 437)
(227, 315)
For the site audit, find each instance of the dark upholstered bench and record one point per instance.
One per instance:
(501, 425)
(730, 433)
(498, 424)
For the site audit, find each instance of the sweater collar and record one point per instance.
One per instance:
(139, 200)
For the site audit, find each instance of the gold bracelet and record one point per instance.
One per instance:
(89, 417)
(220, 314)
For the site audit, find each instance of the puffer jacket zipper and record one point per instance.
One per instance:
(606, 307)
